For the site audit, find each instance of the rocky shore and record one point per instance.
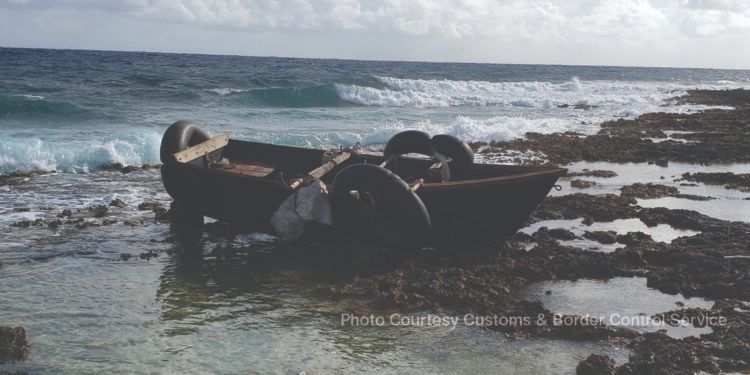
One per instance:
(490, 279)
(715, 263)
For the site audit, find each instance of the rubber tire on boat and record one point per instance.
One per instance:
(395, 217)
(453, 148)
(179, 136)
(408, 141)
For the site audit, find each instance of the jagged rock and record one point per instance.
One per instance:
(632, 238)
(729, 180)
(596, 365)
(40, 222)
(13, 344)
(148, 255)
(608, 237)
(133, 223)
(594, 173)
(561, 234)
(161, 213)
(652, 191)
(108, 221)
(117, 202)
(99, 210)
(581, 184)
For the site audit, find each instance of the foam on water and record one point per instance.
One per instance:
(225, 90)
(468, 128)
(28, 154)
(640, 96)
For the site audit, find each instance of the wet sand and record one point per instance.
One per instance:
(615, 232)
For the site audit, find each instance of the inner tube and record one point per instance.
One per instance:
(453, 148)
(408, 141)
(179, 136)
(371, 202)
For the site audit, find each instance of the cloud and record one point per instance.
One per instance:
(623, 19)
(648, 26)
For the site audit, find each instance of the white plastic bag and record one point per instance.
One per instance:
(307, 204)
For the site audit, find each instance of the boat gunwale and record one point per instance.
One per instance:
(430, 186)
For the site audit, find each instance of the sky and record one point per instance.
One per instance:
(674, 33)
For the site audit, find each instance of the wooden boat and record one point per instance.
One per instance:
(244, 183)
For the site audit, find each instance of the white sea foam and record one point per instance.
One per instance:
(464, 127)
(515, 108)
(399, 92)
(226, 90)
(32, 97)
(27, 154)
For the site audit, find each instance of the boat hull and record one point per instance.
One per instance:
(493, 205)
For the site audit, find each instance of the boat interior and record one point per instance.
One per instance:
(285, 163)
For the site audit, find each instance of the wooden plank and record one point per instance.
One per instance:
(255, 170)
(329, 165)
(414, 186)
(322, 170)
(201, 149)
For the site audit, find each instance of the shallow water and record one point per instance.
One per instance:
(635, 301)
(732, 205)
(86, 311)
(662, 232)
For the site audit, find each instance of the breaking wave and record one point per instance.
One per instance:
(29, 154)
(427, 93)
(400, 92)
(315, 96)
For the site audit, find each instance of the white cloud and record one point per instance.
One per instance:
(449, 18)
(646, 25)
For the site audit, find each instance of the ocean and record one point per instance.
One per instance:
(77, 111)
(121, 293)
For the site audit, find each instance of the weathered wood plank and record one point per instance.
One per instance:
(255, 170)
(414, 186)
(322, 170)
(201, 149)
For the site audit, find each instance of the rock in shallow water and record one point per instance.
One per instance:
(594, 173)
(99, 211)
(607, 238)
(117, 202)
(653, 191)
(581, 184)
(730, 180)
(13, 344)
(596, 365)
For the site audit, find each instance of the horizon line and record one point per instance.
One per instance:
(362, 60)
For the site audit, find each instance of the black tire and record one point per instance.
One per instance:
(179, 136)
(408, 141)
(385, 210)
(453, 148)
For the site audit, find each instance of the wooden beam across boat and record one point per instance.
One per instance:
(201, 149)
(322, 170)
